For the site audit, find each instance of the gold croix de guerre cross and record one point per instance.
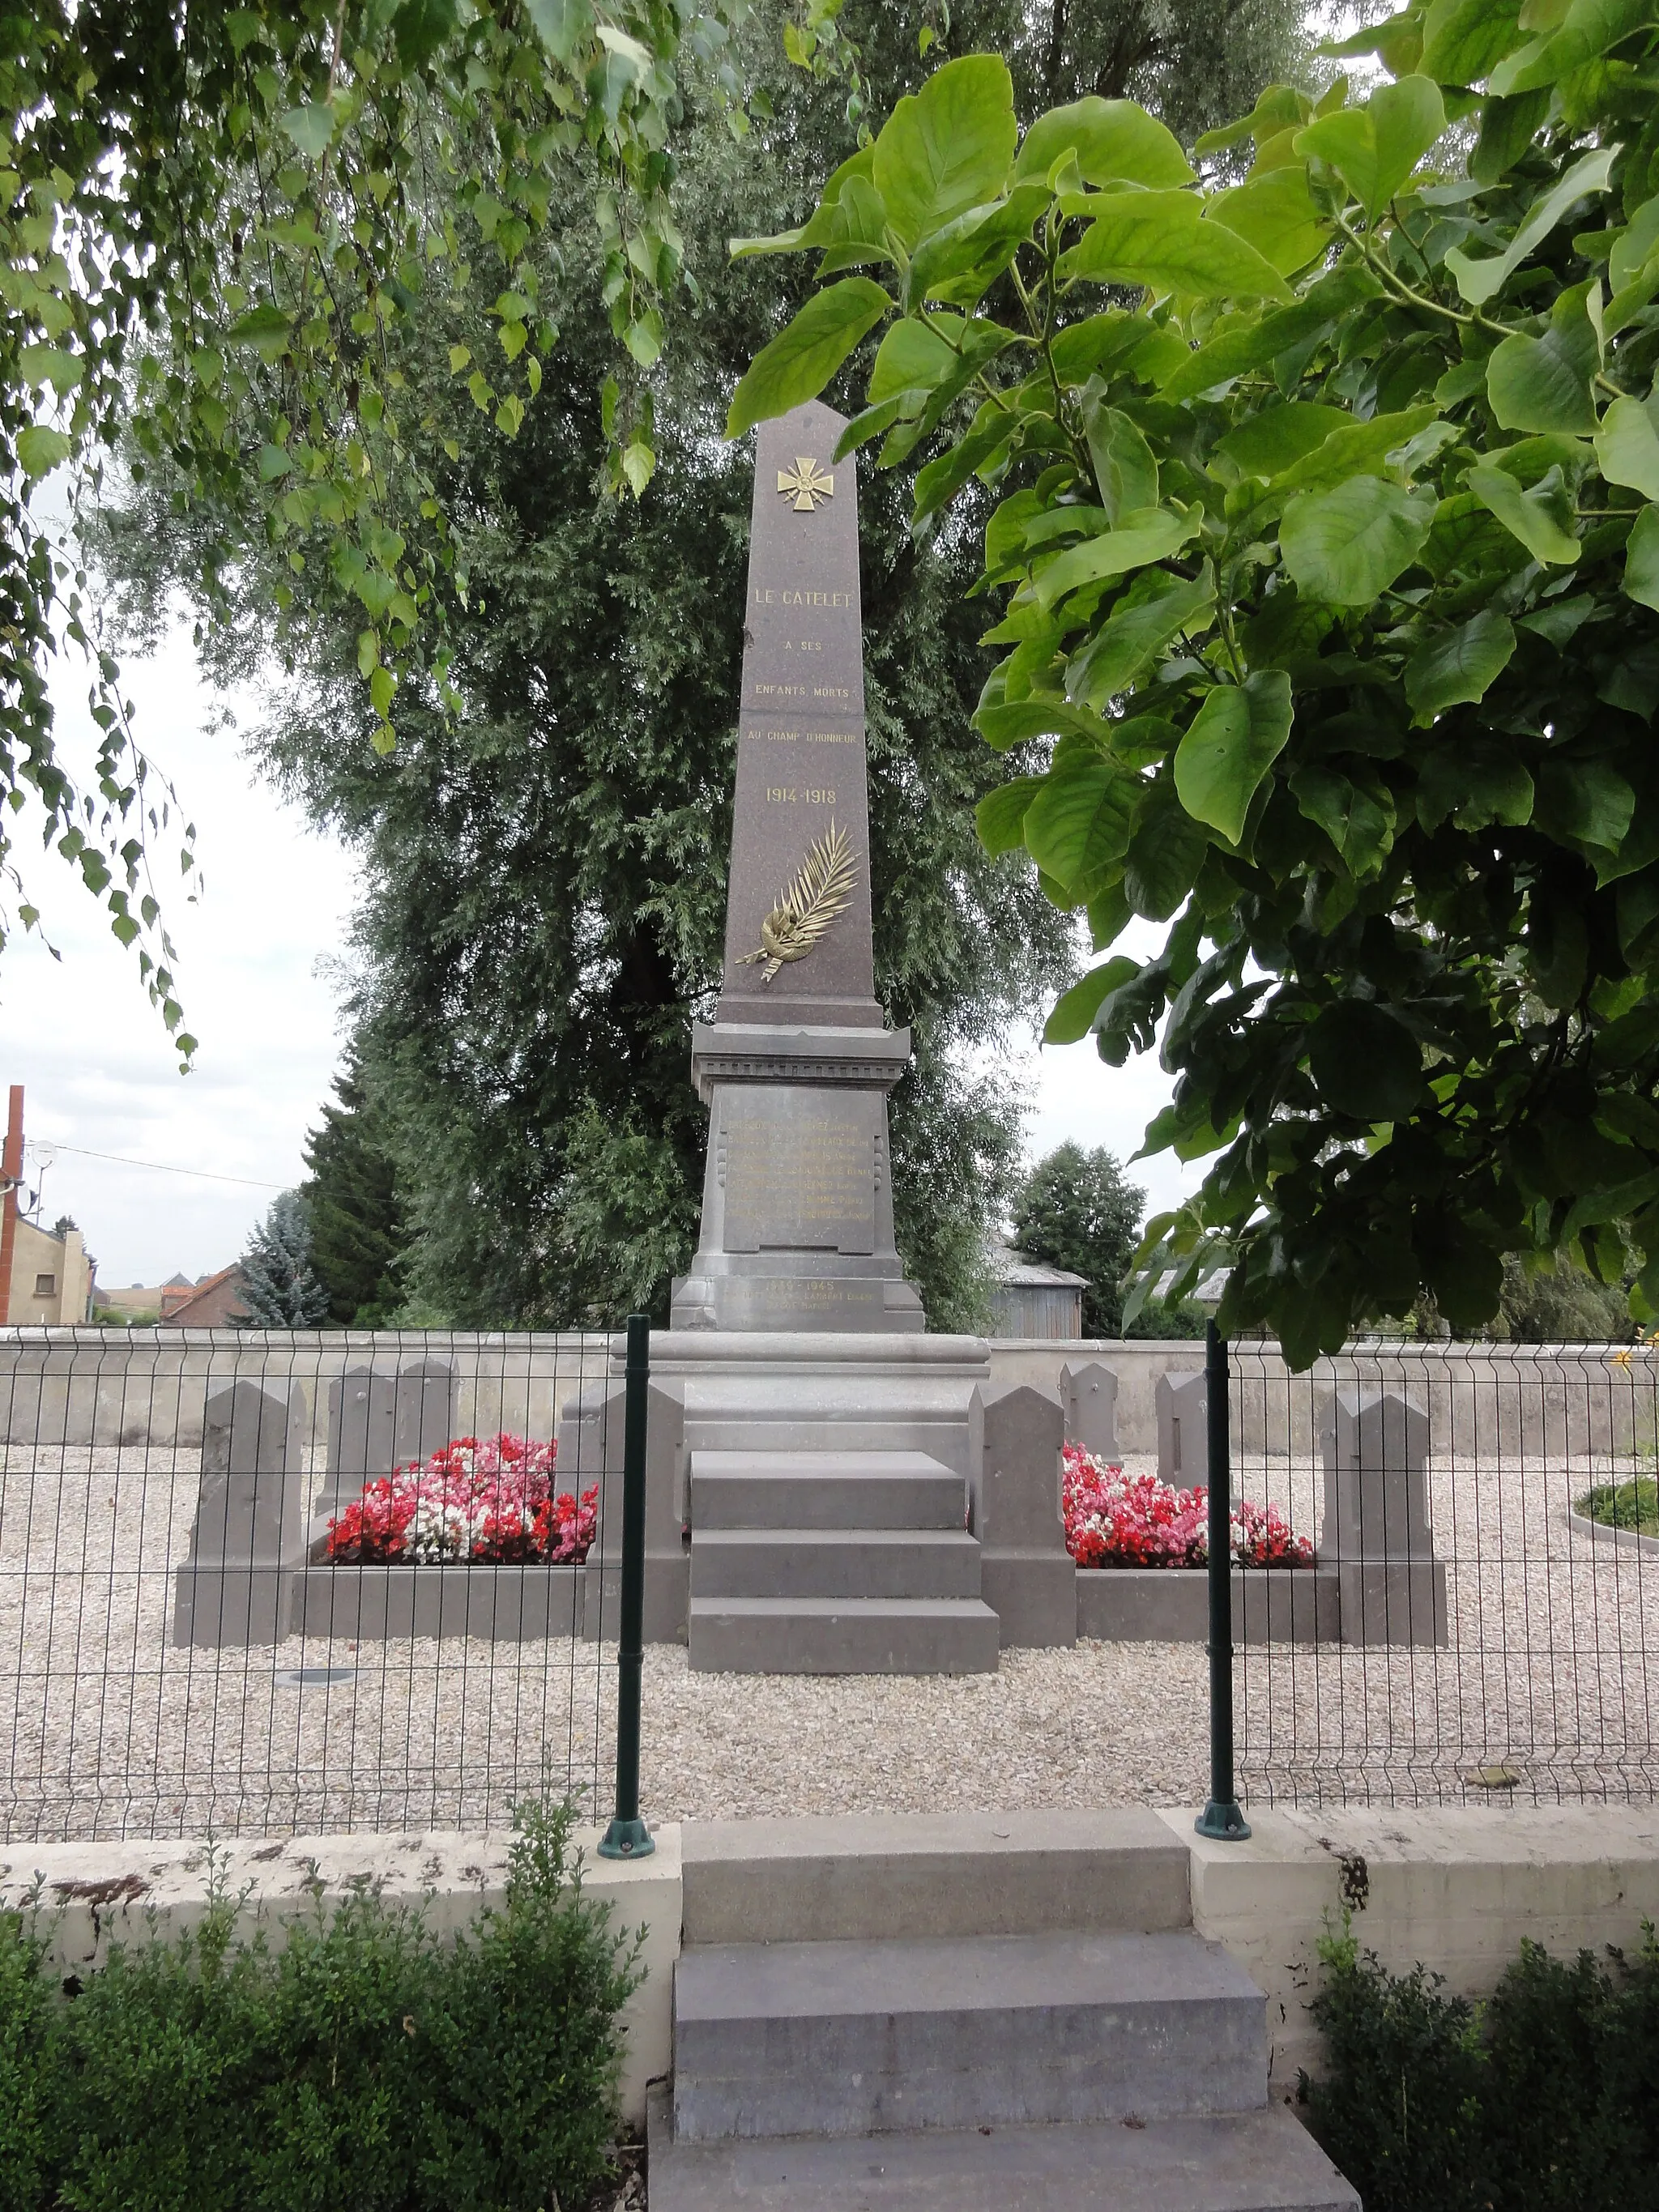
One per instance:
(804, 485)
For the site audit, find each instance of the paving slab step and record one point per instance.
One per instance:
(825, 1490)
(1259, 2161)
(834, 1563)
(860, 2038)
(841, 1635)
(836, 1877)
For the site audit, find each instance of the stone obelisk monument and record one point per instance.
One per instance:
(796, 1067)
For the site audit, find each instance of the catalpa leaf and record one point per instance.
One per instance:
(1234, 740)
(1115, 141)
(1144, 539)
(1345, 547)
(1078, 825)
(1365, 1063)
(1376, 148)
(947, 147)
(1641, 577)
(1460, 665)
(1627, 447)
(803, 357)
(1164, 241)
(1540, 518)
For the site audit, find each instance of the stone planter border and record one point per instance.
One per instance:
(1603, 1532)
(505, 1604)
(1171, 1605)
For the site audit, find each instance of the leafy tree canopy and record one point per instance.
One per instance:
(1325, 567)
(213, 222)
(545, 871)
(1077, 1210)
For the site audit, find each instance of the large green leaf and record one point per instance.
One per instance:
(947, 147)
(1376, 148)
(849, 214)
(1365, 1063)
(1463, 40)
(39, 449)
(1460, 665)
(1078, 823)
(1635, 247)
(1012, 723)
(1544, 383)
(1274, 213)
(1234, 740)
(1145, 538)
(1266, 445)
(1165, 853)
(1345, 547)
(1581, 34)
(1001, 815)
(1541, 518)
(1641, 579)
(1478, 280)
(1074, 1015)
(566, 26)
(1355, 811)
(1164, 241)
(1586, 800)
(312, 127)
(1627, 447)
(1355, 448)
(1157, 607)
(1244, 346)
(803, 357)
(962, 259)
(1125, 471)
(1114, 141)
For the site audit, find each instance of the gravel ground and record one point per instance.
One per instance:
(105, 1728)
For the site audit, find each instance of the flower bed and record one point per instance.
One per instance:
(482, 1501)
(1118, 1520)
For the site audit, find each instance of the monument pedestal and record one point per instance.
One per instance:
(797, 1202)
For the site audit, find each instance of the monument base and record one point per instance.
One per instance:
(724, 1293)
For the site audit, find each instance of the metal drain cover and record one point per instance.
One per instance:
(306, 1678)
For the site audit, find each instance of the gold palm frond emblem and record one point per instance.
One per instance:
(806, 910)
(806, 484)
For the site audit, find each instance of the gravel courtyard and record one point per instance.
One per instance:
(105, 1728)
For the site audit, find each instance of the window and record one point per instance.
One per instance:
(46, 1286)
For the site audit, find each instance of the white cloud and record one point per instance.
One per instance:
(83, 1038)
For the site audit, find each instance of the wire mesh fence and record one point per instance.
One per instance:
(221, 1611)
(1480, 1619)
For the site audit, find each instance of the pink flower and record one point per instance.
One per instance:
(1115, 1520)
(489, 1500)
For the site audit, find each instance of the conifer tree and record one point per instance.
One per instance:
(358, 1232)
(280, 1288)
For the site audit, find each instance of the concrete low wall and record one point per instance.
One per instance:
(1457, 1887)
(93, 1895)
(1171, 1605)
(80, 1386)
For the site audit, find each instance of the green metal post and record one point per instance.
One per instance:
(1221, 1819)
(627, 1837)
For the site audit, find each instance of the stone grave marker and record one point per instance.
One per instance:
(1028, 1577)
(795, 1068)
(1184, 1428)
(1376, 1531)
(247, 1539)
(1088, 1397)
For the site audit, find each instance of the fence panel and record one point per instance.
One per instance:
(1497, 1639)
(179, 1654)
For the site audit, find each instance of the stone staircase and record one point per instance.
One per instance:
(833, 1561)
(989, 2012)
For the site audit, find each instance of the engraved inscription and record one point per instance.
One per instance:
(803, 1181)
(804, 794)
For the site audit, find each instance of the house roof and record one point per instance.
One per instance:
(1013, 1270)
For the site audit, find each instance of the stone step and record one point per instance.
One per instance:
(834, 1563)
(825, 1490)
(842, 1636)
(833, 1877)
(1259, 2161)
(1017, 2031)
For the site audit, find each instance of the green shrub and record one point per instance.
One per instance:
(1632, 1505)
(367, 2064)
(1545, 2099)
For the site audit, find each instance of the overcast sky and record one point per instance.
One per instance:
(101, 1076)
